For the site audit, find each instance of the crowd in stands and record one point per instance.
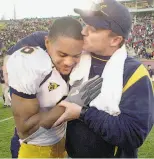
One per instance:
(141, 39)
(17, 29)
(139, 4)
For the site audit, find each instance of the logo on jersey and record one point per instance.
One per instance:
(52, 86)
(27, 50)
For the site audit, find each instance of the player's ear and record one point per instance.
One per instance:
(46, 38)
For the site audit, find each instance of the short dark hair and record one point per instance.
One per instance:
(65, 26)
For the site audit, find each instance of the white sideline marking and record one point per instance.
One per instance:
(6, 119)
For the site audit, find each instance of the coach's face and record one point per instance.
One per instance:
(65, 53)
(95, 40)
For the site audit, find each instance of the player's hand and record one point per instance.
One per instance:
(72, 111)
(83, 94)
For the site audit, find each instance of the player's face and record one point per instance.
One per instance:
(65, 53)
(95, 40)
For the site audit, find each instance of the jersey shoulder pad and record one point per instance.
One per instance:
(27, 68)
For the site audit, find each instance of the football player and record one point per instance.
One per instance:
(38, 81)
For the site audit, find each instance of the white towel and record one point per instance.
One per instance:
(109, 98)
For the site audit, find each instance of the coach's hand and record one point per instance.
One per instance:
(83, 94)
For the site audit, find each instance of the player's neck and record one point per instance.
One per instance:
(65, 77)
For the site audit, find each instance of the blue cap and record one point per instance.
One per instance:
(108, 14)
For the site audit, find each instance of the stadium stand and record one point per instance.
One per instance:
(17, 29)
(140, 42)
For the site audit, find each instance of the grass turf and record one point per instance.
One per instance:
(7, 129)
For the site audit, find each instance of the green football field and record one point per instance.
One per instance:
(7, 126)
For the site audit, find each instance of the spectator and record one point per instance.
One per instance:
(2, 85)
(6, 87)
(151, 73)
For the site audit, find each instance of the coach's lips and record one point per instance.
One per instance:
(85, 41)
